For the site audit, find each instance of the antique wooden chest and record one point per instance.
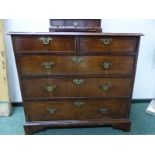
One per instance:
(73, 79)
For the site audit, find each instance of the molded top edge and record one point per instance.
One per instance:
(75, 33)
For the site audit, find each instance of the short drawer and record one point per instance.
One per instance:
(46, 65)
(84, 65)
(43, 43)
(77, 110)
(73, 87)
(108, 44)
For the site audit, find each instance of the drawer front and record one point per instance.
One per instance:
(44, 43)
(51, 110)
(105, 87)
(85, 65)
(73, 87)
(104, 109)
(106, 65)
(48, 87)
(108, 44)
(77, 110)
(46, 65)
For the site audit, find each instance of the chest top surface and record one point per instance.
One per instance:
(75, 34)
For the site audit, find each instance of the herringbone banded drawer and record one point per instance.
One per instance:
(44, 43)
(77, 110)
(76, 87)
(108, 44)
(83, 65)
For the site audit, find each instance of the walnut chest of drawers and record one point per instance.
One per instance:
(73, 79)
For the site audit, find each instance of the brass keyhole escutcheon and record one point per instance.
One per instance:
(78, 103)
(78, 82)
(51, 111)
(76, 59)
(76, 24)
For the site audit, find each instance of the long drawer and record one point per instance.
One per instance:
(84, 65)
(108, 44)
(43, 43)
(77, 110)
(73, 87)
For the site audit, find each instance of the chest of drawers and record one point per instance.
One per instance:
(76, 79)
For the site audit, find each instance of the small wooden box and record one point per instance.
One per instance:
(75, 25)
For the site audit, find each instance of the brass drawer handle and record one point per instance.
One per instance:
(45, 40)
(47, 65)
(106, 41)
(78, 103)
(51, 111)
(107, 65)
(103, 110)
(78, 82)
(50, 88)
(76, 59)
(105, 87)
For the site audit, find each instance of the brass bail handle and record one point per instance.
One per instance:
(45, 40)
(106, 41)
(107, 65)
(104, 110)
(48, 65)
(50, 88)
(105, 87)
